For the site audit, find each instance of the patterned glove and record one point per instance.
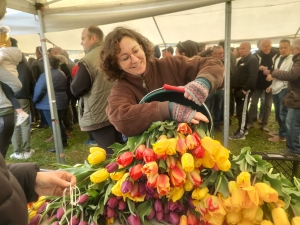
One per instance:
(198, 90)
(181, 113)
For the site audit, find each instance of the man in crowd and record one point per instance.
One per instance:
(279, 89)
(242, 84)
(167, 52)
(292, 100)
(93, 90)
(266, 59)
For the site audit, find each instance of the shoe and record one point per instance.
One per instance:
(41, 126)
(259, 120)
(249, 125)
(52, 150)
(246, 133)
(273, 133)
(21, 118)
(17, 156)
(264, 128)
(239, 136)
(289, 152)
(276, 139)
(29, 154)
(90, 142)
(50, 139)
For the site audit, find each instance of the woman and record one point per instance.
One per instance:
(187, 48)
(41, 99)
(7, 118)
(127, 57)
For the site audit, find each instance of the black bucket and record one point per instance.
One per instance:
(176, 95)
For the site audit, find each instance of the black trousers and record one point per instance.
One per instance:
(106, 136)
(242, 102)
(7, 125)
(11, 96)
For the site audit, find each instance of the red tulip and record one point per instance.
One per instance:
(139, 152)
(191, 219)
(136, 172)
(184, 128)
(177, 175)
(171, 162)
(135, 190)
(181, 146)
(152, 181)
(149, 155)
(163, 184)
(195, 177)
(125, 159)
(198, 152)
(192, 141)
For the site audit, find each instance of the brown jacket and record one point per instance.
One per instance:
(131, 118)
(292, 98)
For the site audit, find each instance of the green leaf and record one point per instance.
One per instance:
(223, 188)
(210, 180)
(144, 209)
(92, 192)
(131, 206)
(162, 166)
(107, 193)
(250, 160)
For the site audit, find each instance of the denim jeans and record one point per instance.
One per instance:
(280, 111)
(293, 130)
(214, 103)
(60, 113)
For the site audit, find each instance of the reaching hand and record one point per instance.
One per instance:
(199, 117)
(53, 183)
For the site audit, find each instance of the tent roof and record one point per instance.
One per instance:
(177, 20)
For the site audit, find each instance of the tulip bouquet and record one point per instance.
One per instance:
(176, 174)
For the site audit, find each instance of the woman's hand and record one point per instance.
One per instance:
(199, 117)
(54, 183)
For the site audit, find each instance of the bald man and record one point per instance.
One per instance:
(243, 83)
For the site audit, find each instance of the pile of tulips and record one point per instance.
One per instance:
(178, 177)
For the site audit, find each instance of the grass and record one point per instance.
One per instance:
(76, 152)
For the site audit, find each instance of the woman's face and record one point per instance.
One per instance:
(132, 57)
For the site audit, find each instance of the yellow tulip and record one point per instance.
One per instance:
(296, 220)
(232, 186)
(258, 216)
(243, 179)
(267, 222)
(188, 185)
(279, 217)
(116, 189)
(208, 160)
(266, 193)
(223, 164)
(96, 157)
(225, 202)
(97, 149)
(216, 220)
(161, 146)
(172, 146)
(237, 197)
(199, 193)
(249, 214)
(39, 202)
(245, 222)
(198, 162)
(31, 214)
(99, 176)
(117, 175)
(187, 162)
(175, 193)
(233, 217)
(110, 221)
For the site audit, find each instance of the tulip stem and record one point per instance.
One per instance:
(148, 142)
(293, 209)
(219, 183)
(254, 180)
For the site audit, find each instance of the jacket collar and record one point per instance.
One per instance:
(98, 43)
(295, 57)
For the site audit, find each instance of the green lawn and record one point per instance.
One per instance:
(77, 152)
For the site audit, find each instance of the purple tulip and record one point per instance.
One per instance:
(93, 223)
(35, 220)
(142, 188)
(127, 186)
(180, 208)
(60, 212)
(159, 215)
(190, 202)
(167, 217)
(83, 223)
(152, 214)
(166, 208)
(122, 205)
(42, 207)
(110, 212)
(113, 202)
(74, 220)
(55, 223)
(150, 190)
(149, 196)
(112, 167)
(174, 218)
(134, 220)
(158, 205)
(172, 205)
(82, 199)
(51, 218)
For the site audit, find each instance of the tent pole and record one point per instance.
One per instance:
(297, 33)
(60, 156)
(159, 31)
(227, 71)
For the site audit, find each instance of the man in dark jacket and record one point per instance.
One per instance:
(23, 150)
(292, 100)
(22, 183)
(243, 83)
(266, 59)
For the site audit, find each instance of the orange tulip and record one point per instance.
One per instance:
(192, 219)
(183, 220)
(192, 141)
(181, 145)
(150, 168)
(152, 180)
(184, 128)
(226, 202)
(195, 178)
(171, 162)
(163, 184)
(266, 193)
(177, 175)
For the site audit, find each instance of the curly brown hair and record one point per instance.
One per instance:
(111, 48)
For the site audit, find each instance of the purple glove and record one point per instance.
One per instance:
(181, 113)
(198, 90)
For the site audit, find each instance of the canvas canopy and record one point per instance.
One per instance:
(177, 20)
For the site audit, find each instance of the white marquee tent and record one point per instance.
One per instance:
(177, 20)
